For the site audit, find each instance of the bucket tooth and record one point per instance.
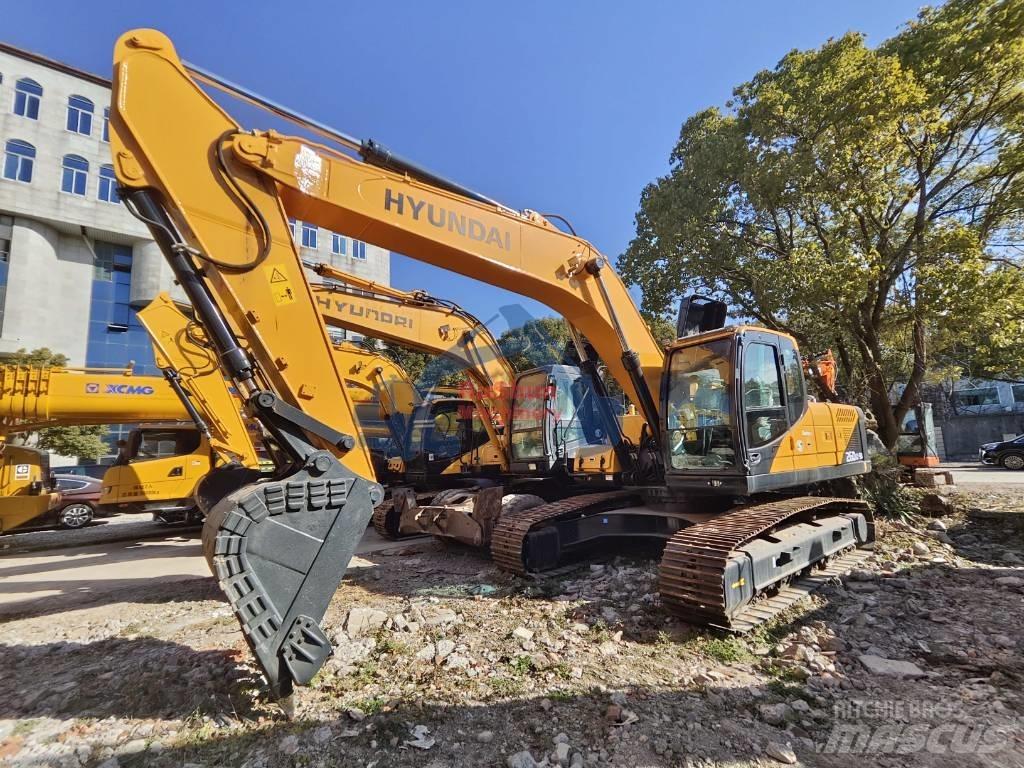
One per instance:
(279, 549)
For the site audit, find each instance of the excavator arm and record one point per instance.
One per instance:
(278, 547)
(184, 356)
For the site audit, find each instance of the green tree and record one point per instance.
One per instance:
(541, 341)
(868, 200)
(85, 442)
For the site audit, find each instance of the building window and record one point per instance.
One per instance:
(308, 235)
(75, 175)
(359, 250)
(1018, 393)
(79, 115)
(108, 185)
(291, 226)
(106, 124)
(977, 396)
(27, 94)
(103, 262)
(337, 244)
(19, 157)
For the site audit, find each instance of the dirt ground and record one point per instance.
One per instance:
(442, 661)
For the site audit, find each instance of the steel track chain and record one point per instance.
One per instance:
(691, 575)
(510, 531)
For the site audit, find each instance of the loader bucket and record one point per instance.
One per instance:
(279, 549)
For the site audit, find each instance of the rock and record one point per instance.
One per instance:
(426, 653)
(781, 752)
(562, 738)
(562, 751)
(836, 644)
(444, 649)
(1004, 641)
(1012, 557)
(877, 665)
(485, 737)
(937, 525)
(356, 714)
(456, 661)
(1010, 581)
(421, 738)
(774, 714)
(521, 760)
(861, 574)
(921, 549)
(363, 621)
(440, 616)
(133, 747)
(289, 745)
(111, 763)
(935, 505)
(799, 705)
(322, 734)
(522, 634)
(608, 648)
(613, 714)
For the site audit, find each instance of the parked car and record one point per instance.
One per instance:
(1009, 453)
(88, 470)
(79, 496)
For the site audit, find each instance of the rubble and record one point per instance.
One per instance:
(531, 674)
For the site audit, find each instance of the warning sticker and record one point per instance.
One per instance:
(280, 286)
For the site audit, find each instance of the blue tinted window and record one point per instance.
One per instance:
(27, 94)
(359, 250)
(108, 185)
(106, 124)
(337, 244)
(308, 235)
(19, 157)
(79, 115)
(75, 174)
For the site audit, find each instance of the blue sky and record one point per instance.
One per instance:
(567, 107)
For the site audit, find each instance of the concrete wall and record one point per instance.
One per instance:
(963, 435)
(49, 285)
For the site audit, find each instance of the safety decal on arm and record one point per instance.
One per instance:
(280, 286)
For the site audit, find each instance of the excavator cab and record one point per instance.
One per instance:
(738, 418)
(157, 471)
(554, 416)
(444, 437)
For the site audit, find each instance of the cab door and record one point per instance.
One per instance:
(766, 420)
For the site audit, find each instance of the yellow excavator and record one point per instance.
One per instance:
(509, 476)
(36, 397)
(388, 405)
(726, 413)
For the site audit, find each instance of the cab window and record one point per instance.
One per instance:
(793, 372)
(762, 395)
(698, 409)
(528, 410)
(160, 445)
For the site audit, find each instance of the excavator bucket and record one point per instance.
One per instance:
(279, 549)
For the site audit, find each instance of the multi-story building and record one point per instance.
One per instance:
(74, 264)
